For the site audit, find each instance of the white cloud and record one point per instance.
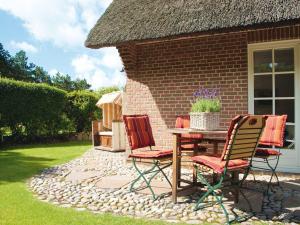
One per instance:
(100, 72)
(24, 46)
(65, 23)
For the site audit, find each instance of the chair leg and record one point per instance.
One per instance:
(273, 172)
(161, 169)
(140, 174)
(151, 170)
(211, 190)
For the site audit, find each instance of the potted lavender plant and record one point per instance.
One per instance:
(205, 111)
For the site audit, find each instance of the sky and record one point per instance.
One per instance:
(52, 32)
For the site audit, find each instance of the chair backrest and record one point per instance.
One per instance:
(139, 131)
(243, 137)
(183, 121)
(273, 134)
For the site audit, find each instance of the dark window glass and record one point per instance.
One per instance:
(289, 132)
(262, 107)
(262, 86)
(284, 85)
(285, 107)
(263, 61)
(284, 60)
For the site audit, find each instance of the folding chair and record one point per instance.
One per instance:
(272, 136)
(140, 135)
(241, 142)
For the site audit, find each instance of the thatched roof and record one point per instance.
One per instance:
(136, 20)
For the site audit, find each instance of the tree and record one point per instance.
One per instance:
(81, 84)
(41, 76)
(6, 69)
(106, 90)
(62, 81)
(18, 68)
(65, 82)
(22, 69)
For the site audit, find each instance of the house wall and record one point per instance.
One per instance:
(162, 76)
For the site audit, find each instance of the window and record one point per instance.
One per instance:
(274, 86)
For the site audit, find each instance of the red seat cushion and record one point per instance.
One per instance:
(273, 133)
(266, 152)
(152, 154)
(218, 165)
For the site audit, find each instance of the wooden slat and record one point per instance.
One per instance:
(247, 125)
(241, 156)
(235, 151)
(245, 141)
(246, 136)
(251, 145)
(249, 131)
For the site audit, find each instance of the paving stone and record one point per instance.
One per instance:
(159, 188)
(113, 182)
(77, 176)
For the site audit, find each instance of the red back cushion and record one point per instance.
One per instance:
(139, 131)
(183, 121)
(273, 133)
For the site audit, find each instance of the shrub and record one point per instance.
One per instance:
(81, 109)
(30, 109)
(206, 105)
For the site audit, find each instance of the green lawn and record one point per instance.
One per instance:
(17, 204)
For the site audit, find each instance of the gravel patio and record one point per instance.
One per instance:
(99, 181)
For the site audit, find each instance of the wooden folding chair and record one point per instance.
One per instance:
(139, 133)
(242, 139)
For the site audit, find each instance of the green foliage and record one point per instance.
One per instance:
(81, 109)
(64, 81)
(30, 109)
(41, 76)
(106, 90)
(206, 105)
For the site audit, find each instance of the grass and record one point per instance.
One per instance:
(18, 206)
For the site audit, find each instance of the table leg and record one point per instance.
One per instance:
(175, 168)
(215, 151)
(215, 147)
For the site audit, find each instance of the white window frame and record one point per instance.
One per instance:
(270, 45)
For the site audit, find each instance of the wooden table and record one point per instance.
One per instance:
(176, 157)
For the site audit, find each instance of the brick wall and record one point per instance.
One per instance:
(162, 76)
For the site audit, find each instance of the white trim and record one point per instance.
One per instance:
(292, 156)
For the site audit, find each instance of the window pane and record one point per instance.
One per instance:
(284, 85)
(284, 60)
(262, 107)
(289, 137)
(263, 61)
(289, 132)
(285, 107)
(262, 86)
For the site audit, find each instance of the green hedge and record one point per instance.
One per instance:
(81, 109)
(29, 108)
(32, 112)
